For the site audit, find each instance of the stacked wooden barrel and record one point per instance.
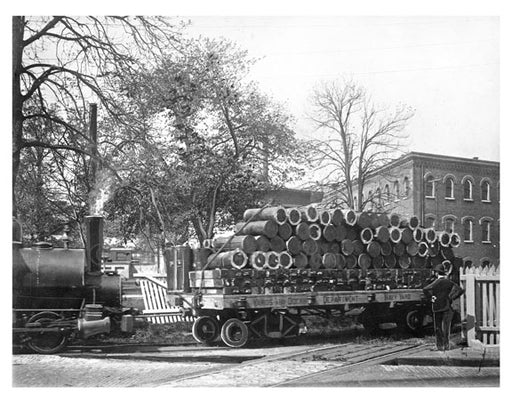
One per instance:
(328, 247)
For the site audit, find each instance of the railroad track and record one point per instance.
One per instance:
(357, 361)
(344, 357)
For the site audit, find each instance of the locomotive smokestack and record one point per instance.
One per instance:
(94, 246)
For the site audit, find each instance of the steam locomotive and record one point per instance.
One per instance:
(60, 293)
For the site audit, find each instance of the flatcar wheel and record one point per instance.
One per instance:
(234, 333)
(413, 321)
(46, 343)
(206, 329)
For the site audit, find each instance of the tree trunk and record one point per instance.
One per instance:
(17, 101)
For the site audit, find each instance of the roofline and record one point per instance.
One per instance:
(414, 154)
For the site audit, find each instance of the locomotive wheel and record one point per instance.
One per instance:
(234, 333)
(206, 330)
(46, 343)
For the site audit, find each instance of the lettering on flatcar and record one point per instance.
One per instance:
(339, 299)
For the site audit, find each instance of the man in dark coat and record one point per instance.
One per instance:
(442, 292)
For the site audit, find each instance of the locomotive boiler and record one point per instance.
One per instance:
(59, 293)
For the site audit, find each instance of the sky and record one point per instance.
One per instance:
(445, 68)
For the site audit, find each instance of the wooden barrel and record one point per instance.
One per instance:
(455, 240)
(277, 244)
(315, 261)
(395, 235)
(390, 261)
(382, 234)
(399, 249)
(374, 220)
(412, 249)
(417, 234)
(373, 249)
(285, 260)
(315, 232)
(277, 214)
(309, 247)
(406, 235)
(349, 217)
(269, 228)
(366, 235)
(364, 261)
(258, 260)
(363, 219)
(347, 248)
(340, 261)
(337, 217)
(309, 213)
(418, 262)
(429, 235)
(272, 260)
(294, 216)
(301, 231)
(324, 217)
(350, 261)
(247, 243)
(285, 231)
(300, 261)
(235, 259)
(378, 262)
(422, 249)
(329, 232)
(358, 247)
(351, 234)
(386, 248)
(341, 232)
(262, 243)
(294, 246)
(394, 220)
(334, 247)
(404, 261)
(329, 260)
(383, 219)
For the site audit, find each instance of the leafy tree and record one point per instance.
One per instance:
(208, 134)
(357, 138)
(59, 63)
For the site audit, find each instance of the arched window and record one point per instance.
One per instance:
(449, 194)
(486, 191)
(486, 231)
(355, 203)
(449, 225)
(468, 230)
(429, 186)
(387, 194)
(407, 186)
(468, 189)
(396, 189)
(430, 222)
(370, 199)
(378, 199)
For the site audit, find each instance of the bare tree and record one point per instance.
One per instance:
(356, 138)
(68, 61)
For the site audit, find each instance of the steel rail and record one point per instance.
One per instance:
(343, 368)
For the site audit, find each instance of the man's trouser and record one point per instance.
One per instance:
(443, 322)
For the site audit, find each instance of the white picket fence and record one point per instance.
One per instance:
(480, 306)
(156, 305)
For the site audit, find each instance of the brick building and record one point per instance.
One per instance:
(288, 197)
(447, 193)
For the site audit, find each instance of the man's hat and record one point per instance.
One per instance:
(440, 269)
